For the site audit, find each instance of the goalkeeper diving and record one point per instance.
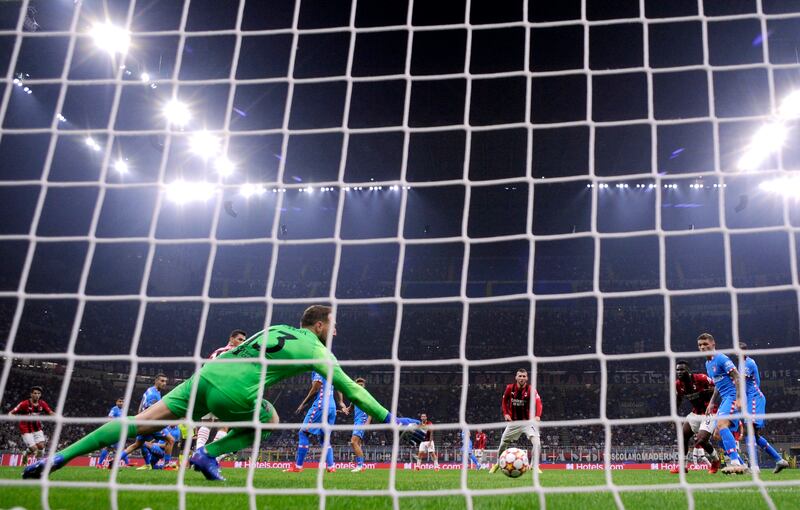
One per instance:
(230, 392)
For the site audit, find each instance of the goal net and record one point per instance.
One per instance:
(576, 188)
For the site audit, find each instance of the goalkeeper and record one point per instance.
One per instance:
(230, 392)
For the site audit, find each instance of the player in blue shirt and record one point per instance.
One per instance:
(319, 388)
(160, 448)
(360, 418)
(757, 404)
(473, 460)
(114, 412)
(149, 398)
(723, 372)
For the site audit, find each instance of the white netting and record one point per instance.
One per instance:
(766, 15)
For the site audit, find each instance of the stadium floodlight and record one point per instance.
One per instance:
(145, 77)
(790, 106)
(177, 113)
(110, 38)
(309, 190)
(121, 166)
(182, 192)
(92, 144)
(248, 190)
(768, 139)
(788, 187)
(204, 144)
(224, 166)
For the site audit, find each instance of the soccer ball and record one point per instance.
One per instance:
(513, 462)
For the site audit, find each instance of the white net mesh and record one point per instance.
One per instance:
(494, 185)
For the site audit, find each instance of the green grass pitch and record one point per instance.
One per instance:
(345, 488)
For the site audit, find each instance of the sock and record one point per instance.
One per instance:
(436, 462)
(167, 459)
(302, 449)
(235, 440)
(729, 443)
(764, 445)
(329, 458)
(124, 457)
(474, 459)
(359, 461)
(219, 435)
(419, 460)
(202, 437)
(103, 455)
(105, 435)
(148, 457)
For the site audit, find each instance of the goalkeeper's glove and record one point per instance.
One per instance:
(400, 421)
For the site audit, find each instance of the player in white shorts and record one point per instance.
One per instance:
(516, 407)
(427, 447)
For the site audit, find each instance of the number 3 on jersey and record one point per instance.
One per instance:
(282, 337)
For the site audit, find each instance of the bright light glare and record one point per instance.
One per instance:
(182, 192)
(121, 166)
(768, 139)
(309, 190)
(92, 144)
(788, 187)
(177, 113)
(224, 166)
(248, 190)
(145, 77)
(204, 144)
(110, 38)
(790, 106)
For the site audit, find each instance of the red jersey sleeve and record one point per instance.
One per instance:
(22, 407)
(506, 405)
(538, 404)
(45, 407)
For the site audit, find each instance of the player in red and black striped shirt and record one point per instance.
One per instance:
(32, 433)
(516, 406)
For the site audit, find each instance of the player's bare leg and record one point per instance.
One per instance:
(355, 442)
(703, 440)
(688, 446)
(421, 457)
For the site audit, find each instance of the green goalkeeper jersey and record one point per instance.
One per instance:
(240, 381)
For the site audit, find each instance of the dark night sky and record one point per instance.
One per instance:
(569, 129)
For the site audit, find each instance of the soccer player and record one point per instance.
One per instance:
(235, 339)
(757, 404)
(114, 412)
(473, 460)
(320, 391)
(427, 446)
(32, 432)
(360, 418)
(516, 406)
(150, 397)
(479, 444)
(723, 372)
(230, 391)
(698, 390)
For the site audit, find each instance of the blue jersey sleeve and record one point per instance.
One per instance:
(725, 364)
(316, 377)
(115, 412)
(150, 397)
